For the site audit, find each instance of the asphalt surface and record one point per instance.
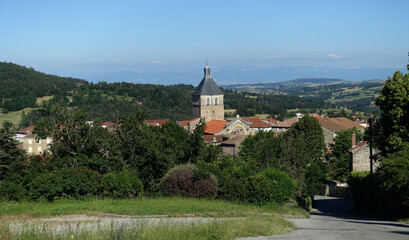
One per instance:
(331, 220)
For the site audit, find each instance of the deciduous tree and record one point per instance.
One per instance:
(393, 125)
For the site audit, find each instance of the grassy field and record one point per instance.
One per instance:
(236, 220)
(141, 206)
(40, 100)
(251, 226)
(14, 117)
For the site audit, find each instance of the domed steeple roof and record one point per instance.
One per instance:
(207, 86)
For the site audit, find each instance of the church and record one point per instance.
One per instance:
(208, 102)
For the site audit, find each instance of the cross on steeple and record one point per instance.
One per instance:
(207, 71)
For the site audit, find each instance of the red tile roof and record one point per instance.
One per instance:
(257, 123)
(27, 130)
(159, 122)
(30, 135)
(286, 123)
(185, 123)
(339, 124)
(108, 124)
(214, 126)
(272, 120)
(358, 145)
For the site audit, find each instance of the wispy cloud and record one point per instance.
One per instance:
(331, 55)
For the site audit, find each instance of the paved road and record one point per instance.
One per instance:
(330, 220)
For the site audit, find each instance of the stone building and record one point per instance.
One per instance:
(33, 146)
(359, 156)
(208, 99)
(331, 126)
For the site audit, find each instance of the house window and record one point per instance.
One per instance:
(30, 141)
(39, 141)
(208, 101)
(39, 149)
(216, 101)
(30, 149)
(48, 141)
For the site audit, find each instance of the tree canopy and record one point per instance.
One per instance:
(393, 125)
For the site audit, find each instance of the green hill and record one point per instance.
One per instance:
(21, 86)
(109, 101)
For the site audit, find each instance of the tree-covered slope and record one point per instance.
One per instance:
(20, 86)
(110, 101)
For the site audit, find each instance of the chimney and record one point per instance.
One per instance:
(353, 139)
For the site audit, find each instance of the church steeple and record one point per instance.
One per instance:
(208, 98)
(207, 72)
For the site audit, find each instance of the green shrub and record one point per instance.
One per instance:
(11, 188)
(65, 183)
(270, 185)
(305, 201)
(394, 182)
(188, 181)
(123, 184)
(313, 176)
(360, 187)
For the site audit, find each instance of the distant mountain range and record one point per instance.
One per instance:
(233, 76)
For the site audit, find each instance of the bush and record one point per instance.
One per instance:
(231, 178)
(394, 182)
(123, 184)
(361, 186)
(65, 183)
(304, 200)
(11, 188)
(270, 185)
(188, 181)
(313, 176)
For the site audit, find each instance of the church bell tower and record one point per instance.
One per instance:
(208, 99)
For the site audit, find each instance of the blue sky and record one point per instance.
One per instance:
(173, 39)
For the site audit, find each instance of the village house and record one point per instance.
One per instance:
(359, 156)
(33, 146)
(29, 143)
(331, 126)
(232, 146)
(189, 125)
(282, 126)
(24, 132)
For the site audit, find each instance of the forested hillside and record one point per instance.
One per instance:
(20, 86)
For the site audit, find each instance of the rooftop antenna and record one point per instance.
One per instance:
(207, 61)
